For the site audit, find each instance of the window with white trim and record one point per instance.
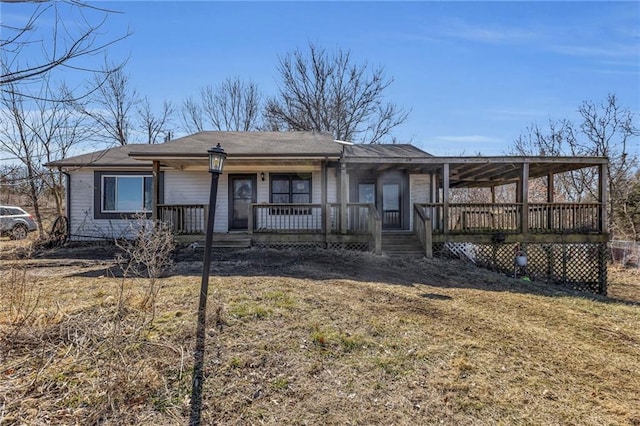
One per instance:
(126, 194)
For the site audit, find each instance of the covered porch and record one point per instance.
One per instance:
(423, 204)
(362, 199)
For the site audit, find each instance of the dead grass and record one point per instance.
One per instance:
(324, 338)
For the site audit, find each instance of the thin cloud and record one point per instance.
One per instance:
(604, 50)
(570, 40)
(460, 29)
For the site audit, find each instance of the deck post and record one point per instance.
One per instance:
(524, 198)
(250, 219)
(428, 239)
(156, 190)
(603, 186)
(343, 198)
(445, 198)
(550, 198)
(323, 196)
(377, 235)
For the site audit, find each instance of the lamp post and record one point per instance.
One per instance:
(216, 163)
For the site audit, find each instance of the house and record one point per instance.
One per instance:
(302, 189)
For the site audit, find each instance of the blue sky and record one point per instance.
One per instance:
(473, 74)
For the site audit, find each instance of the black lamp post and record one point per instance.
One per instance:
(216, 162)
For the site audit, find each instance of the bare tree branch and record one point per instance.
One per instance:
(112, 105)
(606, 131)
(191, 116)
(321, 91)
(30, 52)
(154, 126)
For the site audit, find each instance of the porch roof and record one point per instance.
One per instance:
(476, 171)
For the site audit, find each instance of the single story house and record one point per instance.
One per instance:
(301, 189)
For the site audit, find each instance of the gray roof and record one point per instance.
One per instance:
(235, 144)
(384, 151)
(249, 144)
(117, 156)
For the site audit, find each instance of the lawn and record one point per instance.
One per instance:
(321, 337)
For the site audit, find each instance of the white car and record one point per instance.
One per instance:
(16, 223)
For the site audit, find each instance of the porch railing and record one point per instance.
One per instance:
(303, 218)
(360, 218)
(184, 219)
(507, 217)
(564, 217)
(423, 229)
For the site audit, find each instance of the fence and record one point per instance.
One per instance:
(625, 253)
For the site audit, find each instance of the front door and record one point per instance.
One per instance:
(391, 205)
(242, 193)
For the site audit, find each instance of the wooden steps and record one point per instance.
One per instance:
(401, 244)
(230, 240)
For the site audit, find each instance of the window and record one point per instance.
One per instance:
(367, 192)
(290, 189)
(126, 194)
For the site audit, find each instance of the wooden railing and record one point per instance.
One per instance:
(564, 217)
(302, 218)
(360, 218)
(184, 219)
(474, 218)
(423, 229)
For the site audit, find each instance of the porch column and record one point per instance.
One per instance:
(550, 198)
(550, 189)
(603, 186)
(323, 195)
(524, 197)
(343, 198)
(434, 196)
(445, 198)
(156, 190)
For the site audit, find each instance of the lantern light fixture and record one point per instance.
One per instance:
(217, 156)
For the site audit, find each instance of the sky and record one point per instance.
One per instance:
(474, 75)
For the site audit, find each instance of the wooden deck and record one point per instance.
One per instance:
(357, 223)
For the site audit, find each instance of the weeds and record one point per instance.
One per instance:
(147, 256)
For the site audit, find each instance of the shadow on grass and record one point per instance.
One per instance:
(321, 265)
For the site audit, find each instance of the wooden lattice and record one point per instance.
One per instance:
(354, 246)
(581, 266)
(291, 246)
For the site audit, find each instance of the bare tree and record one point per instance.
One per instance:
(606, 130)
(322, 91)
(559, 139)
(112, 105)
(155, 126)
(36, 131)
(191, 116)
(57, 128)
(233, 105)
(31, 51)
(16, 139)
